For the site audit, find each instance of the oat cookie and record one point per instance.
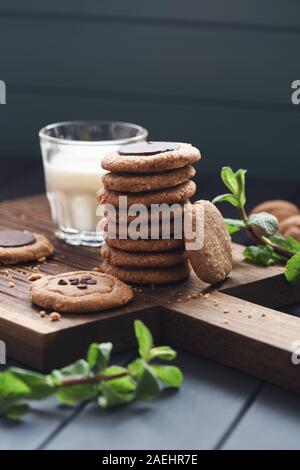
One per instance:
(148, 259)
(80, 292)
(291, 227)
(145, 245)
(149, 182)
(113, 214)
(213, 262)
(180, 193)
(279, 207)
(142, 228)
(148, 275)
(150, 157)
(17, 246)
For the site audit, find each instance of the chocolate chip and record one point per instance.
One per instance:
(147, 148)
(82, 287)
(85, 279)
(75, 282)
(73, 279)
(62, 282)
(15, 238)
(91, 281)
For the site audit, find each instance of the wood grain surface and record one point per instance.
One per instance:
(234, 324)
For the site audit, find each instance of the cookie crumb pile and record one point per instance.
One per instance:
(147, 173)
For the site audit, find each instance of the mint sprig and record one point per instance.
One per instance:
(93, 378)
(270, 248)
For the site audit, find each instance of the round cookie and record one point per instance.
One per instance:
(281, 208)
(150, 157)
(144, 227)
(137, 260)
(291, 227)
(213, 261)
(17, 246)
(79, 292)
(121, 219)
(145, 245)
(178, 194)
(149, 182)
(148, 275)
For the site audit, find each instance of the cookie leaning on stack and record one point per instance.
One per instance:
(148, 173)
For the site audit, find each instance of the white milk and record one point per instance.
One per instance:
(73, 176)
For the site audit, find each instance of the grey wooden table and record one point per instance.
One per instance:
(217, 408)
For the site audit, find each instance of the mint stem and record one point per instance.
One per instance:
(281, 251)
(263, 239)
(92, 380)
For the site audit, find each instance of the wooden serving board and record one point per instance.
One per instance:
(251, 337)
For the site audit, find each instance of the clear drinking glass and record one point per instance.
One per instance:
(72, 153)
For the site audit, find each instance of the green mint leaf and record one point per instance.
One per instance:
(230, 180)
(121, 384)
(99, 355)
(116, 392)
(234, 225)
(78, 369)
(241, 193)
(39, 385)
(16, 411)
(262, 255)
(109, 397)
(292, 272)
(226, 198)
(148, 385)
(144, 338)
(168, 375)
(289, 243)
(76, 393)
(12, 387)
(163, 352)
(136, 368)
(266, 223)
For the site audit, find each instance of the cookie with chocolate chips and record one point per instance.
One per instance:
(150, 157)
(80, 292)
(18, 246)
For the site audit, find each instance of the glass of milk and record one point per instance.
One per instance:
(72, 153)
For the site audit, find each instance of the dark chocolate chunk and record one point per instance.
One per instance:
(84, 279)
(91, 281)
(62, 282)
(147, 148)
(82, 286)
(74, 282)
(15, 238)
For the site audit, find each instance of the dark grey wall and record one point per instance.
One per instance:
(213, 72)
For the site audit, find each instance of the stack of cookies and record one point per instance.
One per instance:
(148, 174)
